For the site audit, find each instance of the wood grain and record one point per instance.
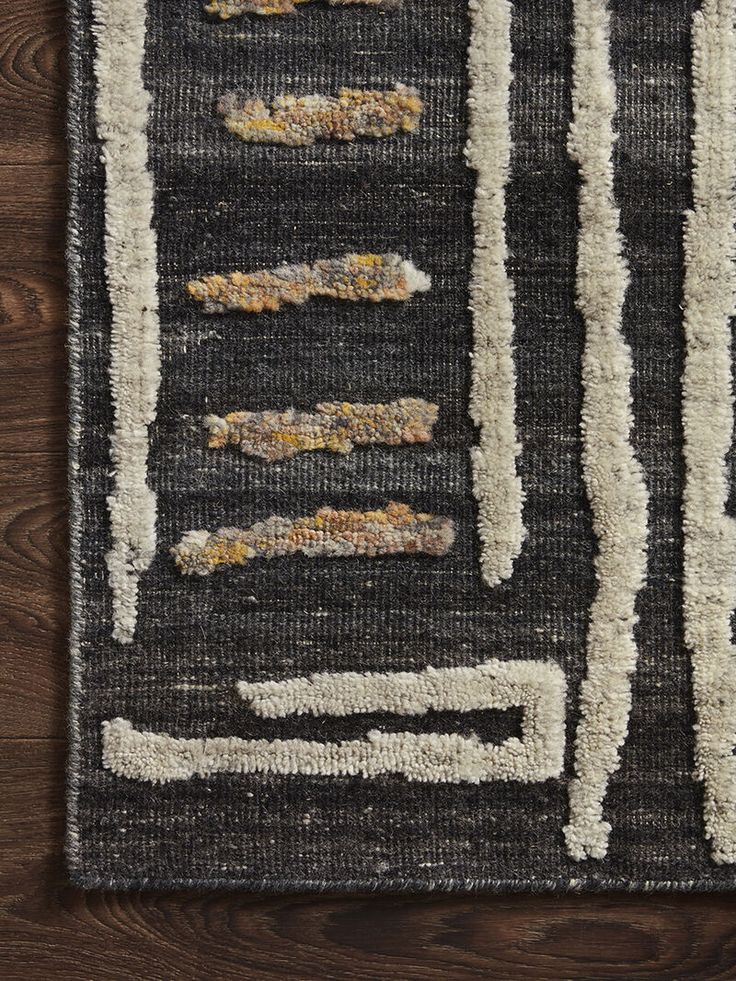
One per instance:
(49, 928)
(32, 80)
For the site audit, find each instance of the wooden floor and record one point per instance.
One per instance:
(49, 929)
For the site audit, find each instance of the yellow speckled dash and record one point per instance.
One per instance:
(298, 121)
(329, 533)
(350, 277)
(336, 427)
(225, 9)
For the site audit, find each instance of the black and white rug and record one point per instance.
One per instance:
(403, 548)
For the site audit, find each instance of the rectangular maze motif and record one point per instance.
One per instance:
(403, 285)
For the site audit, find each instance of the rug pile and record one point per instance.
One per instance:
(403, 548)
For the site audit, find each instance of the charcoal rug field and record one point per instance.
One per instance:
(403, 550)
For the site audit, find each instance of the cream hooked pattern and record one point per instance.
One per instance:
(428, 757)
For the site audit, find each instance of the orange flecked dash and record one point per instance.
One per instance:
(365, 276)
(329, 533)
(336, 427)
(225, 9)
(298, 121)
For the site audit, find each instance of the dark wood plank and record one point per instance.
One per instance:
(33, 608)
(33, 580)
(33, 364)
(32, 210)
(32, 73)
(49, 928)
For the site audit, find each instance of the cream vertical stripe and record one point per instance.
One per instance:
(130, 262)
(613, 477)
(710, 534)
(496, 483)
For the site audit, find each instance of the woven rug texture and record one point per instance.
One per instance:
(403, 553)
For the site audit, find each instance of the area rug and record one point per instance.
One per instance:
(403, 549)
